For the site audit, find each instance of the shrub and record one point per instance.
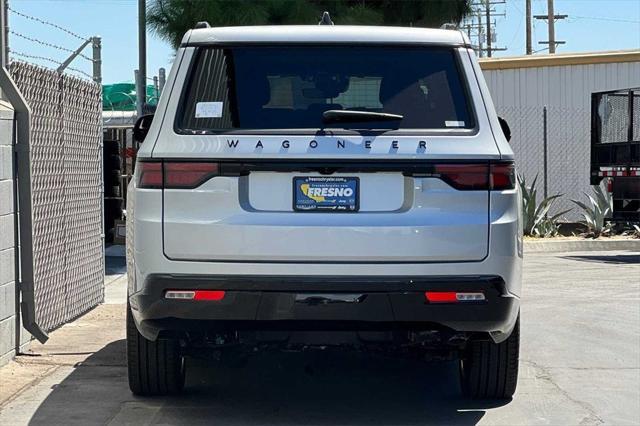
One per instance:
(595, 213)
(535, 217)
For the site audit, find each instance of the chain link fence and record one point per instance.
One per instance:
(66, 192)
(568, 151)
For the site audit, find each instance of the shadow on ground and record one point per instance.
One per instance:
(274, 388)
(115, 265)
(613, 259)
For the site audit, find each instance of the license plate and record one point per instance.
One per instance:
(325, 194)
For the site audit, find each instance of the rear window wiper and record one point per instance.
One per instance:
(342, 116)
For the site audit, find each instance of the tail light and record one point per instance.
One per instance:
(482, 176)
(176, 175)
(189, 174)
(149, 175)
(503, 176)
(464, 176)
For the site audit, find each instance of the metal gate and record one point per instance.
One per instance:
(64, 158)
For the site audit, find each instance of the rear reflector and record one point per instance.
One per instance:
(453, 297)
(210, 295)
(441, 296)
(213, 295)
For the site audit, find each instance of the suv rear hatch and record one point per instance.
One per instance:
(268, 163)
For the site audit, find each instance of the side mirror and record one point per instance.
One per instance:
(505, 128)
(141, 128)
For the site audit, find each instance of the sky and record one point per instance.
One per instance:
(593, 25)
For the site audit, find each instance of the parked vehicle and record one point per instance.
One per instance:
(305, 186)
(615, 149)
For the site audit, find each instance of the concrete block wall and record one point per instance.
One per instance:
(8, 318)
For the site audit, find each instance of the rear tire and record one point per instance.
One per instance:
(490, 370)
(155, 368)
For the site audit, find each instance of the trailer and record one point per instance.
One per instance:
(615, 149)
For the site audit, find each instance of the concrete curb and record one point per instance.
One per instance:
(550, 246)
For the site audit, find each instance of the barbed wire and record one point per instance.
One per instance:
(28, 56)
(50, 60)
(44, 43)
(42, 21)
(89, 76)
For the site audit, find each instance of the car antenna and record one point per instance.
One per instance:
(326, 19)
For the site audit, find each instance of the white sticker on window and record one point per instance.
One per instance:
(454, 123)
(209, 109)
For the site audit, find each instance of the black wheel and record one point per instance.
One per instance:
(155, 368)
(490, 370)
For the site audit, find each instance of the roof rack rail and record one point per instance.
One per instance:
(448, 26)
(326, 19)
(202, 24)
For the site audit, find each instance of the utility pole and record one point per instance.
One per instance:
(481, 22)
(528, 27)
(141, 81)
(487, 11)
(162, 77)
(480, 48)
(156, 88)
(551, 18)
(552, 27)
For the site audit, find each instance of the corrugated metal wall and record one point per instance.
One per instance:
(520, 94)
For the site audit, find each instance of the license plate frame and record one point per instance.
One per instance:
(331, 203)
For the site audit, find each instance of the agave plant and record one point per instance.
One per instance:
(535, 217)
(595, 213)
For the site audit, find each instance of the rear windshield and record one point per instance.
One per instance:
(290, 87)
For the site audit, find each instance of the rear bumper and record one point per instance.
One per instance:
(323, 303)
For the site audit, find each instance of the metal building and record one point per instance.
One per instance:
(521, 87)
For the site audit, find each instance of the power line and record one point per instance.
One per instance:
(44, 43)
(597, 18)
(484, 29)
(42, 21)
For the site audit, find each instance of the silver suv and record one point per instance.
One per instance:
(324, 185)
